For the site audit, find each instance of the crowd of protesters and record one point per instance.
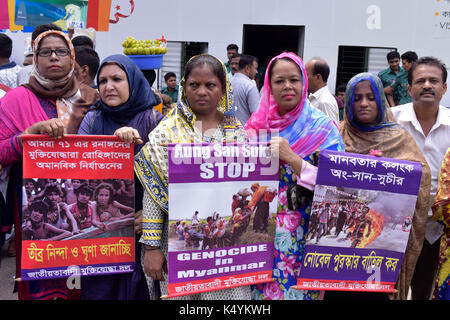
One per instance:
(67, 90)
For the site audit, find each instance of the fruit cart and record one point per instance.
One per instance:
(147, 54)
(145, 62)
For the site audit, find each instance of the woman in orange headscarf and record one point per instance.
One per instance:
(51, 103)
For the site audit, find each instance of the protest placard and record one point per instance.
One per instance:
(79, 206)
(360, 222)
(222, 209)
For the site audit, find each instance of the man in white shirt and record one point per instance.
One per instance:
(245, 93)
(234, 65)
(195, 221)
(8, 70)
(429, 124)
(320, 96)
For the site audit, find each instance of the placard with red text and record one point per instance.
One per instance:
(78, 210)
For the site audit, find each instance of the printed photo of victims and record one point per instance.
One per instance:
(221, 215)
(56, 209)
(355, 218)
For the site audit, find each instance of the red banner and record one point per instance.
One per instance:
(94, 157)
(78, 209)
(98, 14)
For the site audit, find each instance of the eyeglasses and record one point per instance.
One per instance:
(49, 52)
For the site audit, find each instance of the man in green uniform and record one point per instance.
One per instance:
(231, 50)
(172, 88)
(399, 88)
(387, 76)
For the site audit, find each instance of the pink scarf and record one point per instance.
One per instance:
(267, 115)
(306, 128)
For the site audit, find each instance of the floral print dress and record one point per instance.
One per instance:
(291, 228)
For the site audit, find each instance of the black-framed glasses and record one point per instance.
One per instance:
(48, 52)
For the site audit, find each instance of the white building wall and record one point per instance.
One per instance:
(403, 24)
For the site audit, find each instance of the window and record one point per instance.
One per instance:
(178, 54)
(353, 60)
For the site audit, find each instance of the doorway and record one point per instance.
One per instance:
(267, 41)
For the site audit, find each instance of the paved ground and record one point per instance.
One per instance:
(7, 271)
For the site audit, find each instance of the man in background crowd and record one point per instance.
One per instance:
(319, 95)
(8, 69)
(246, 95)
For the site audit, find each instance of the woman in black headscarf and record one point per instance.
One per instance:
(126, 110)
(126, 101)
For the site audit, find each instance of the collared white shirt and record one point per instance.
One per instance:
(246, 96)
(434, 145)
(323, 100)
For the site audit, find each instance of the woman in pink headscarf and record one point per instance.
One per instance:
(295, 130)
